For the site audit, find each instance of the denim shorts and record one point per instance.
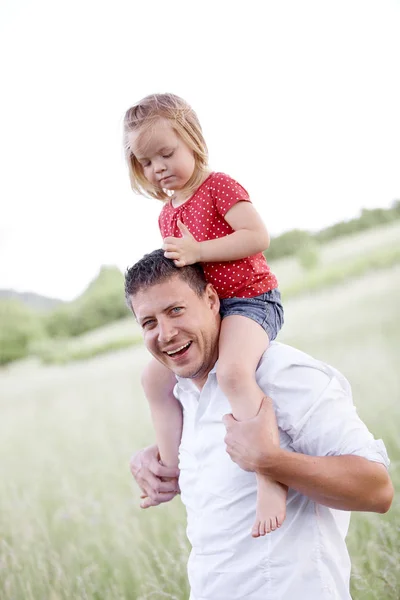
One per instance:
(266, 310)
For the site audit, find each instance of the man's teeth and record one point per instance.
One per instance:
(178, 349)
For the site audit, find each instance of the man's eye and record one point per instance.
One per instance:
(148, 323)
(177, 309)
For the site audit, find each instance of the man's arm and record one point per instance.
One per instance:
(346, 482)
(158, 483)
(342, 482)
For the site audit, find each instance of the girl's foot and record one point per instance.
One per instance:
(271, 506)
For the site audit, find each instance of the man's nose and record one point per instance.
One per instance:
(166, 331)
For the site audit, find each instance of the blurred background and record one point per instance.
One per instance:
(299, 103)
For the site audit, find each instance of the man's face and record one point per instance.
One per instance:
(180, 329)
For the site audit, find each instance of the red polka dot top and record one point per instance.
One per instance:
(203, 214)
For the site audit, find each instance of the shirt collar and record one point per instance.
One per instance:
(187, 384)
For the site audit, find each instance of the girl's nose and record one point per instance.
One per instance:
(159, 167)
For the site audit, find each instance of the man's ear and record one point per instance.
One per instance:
(212, 298)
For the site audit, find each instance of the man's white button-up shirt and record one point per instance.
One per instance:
(307, 558)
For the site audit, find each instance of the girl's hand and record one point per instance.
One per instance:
(184, 250)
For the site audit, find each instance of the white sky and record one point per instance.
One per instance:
(299, 101)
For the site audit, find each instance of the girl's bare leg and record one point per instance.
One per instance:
(158, 383)
(241, 344)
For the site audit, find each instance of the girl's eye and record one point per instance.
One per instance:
(168, 155)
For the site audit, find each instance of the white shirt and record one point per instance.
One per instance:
(307, 558)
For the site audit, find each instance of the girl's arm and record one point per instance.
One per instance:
(250, 237)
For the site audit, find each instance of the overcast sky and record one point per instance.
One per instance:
(299, 101)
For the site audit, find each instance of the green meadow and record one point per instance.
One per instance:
(70, 525)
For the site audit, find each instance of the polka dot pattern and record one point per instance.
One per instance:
(203, 214)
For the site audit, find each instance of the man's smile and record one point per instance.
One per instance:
(179, 351)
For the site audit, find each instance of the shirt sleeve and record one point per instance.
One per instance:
(225, 192)
(314, 407)
(163, 221)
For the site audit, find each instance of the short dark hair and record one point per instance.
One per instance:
(154, 268)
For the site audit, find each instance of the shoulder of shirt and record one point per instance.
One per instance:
(279, 359)
(219, 176)
(217, 181)
(295, 381)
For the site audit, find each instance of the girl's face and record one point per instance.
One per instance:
(166, 160)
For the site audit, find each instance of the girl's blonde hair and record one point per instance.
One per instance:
(184, 121)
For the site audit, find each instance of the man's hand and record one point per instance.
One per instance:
(158, 483)
(253, 443)
(184, 250)
(345, 482)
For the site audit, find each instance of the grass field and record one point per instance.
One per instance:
(70, 526)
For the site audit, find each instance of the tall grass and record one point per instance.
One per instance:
(70, 526)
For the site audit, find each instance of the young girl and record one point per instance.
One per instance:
(207, 217)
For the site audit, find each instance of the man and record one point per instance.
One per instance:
(327, 457)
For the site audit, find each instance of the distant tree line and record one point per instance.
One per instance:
(103, 301)
(21, 328)
(291, 242)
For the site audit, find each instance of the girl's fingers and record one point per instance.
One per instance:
(179, 263)
(172, 255)
(170, 248)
